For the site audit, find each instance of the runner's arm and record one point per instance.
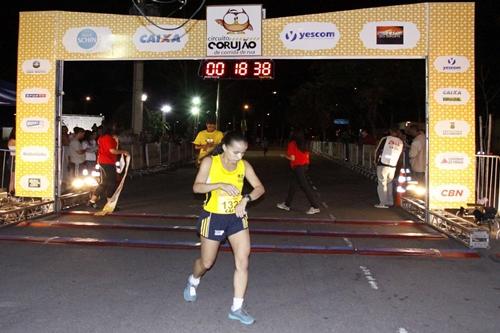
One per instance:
(258, 188)
(200, 183)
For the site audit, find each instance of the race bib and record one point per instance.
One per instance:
(227, 203)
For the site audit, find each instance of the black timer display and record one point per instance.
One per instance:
(237, 69)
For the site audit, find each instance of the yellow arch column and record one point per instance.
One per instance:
(451, 122)
(35, 105)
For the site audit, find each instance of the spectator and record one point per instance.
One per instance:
(65, 153)
(207, 140)
(366, 138)
(12, 149)
(298, 156)
(76, 152)
(265, 145)
(387, 156)
(417, 153)
(89, 144)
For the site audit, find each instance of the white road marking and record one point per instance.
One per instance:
(332, 217)
(369, 277)
(348, 242)
(402, 330)
(324, 204)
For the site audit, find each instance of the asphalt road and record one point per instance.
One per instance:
(72, 288)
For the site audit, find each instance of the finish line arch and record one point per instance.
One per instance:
(440, 33)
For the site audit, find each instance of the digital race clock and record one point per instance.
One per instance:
(237, 69)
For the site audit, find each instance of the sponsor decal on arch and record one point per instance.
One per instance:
(154, 39)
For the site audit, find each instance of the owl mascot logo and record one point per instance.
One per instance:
(235, 22)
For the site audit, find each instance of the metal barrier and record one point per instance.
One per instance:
(153, 156)
(463, 230)
(4, 169)
(16, 210)
(360, 158)
(488, 179)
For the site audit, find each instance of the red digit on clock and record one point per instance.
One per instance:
(241, 68)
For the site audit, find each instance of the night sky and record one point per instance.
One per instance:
(110, 83)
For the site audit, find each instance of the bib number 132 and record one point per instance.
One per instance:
(229, 205)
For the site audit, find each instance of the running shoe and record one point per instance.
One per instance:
(190, 293)
(283, 206)
(380, 206)
(242, 316)
(312, 211)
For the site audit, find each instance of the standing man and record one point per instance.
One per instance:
(417, 153)
(387, 156)
(76, 152)
(106, 158)
(207, 140)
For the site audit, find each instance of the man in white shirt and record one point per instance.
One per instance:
(76, 152)
(417, 153)
(387, 156)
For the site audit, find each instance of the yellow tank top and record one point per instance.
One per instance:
(218, 201)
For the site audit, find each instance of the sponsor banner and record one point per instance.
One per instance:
(450, 193)
(35, 96)
(34, 154)
(234, 30)
(154, 39)
(452, 128)
(34, 183)
(452, 161)
(36, 66)
(310, 36)
(390, 35)
(452, 96)
(35, 125)
(451, 64)
(88, 40)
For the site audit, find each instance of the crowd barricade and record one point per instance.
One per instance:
(153, 155)
(488, 180)
(358, 157)
(4, 169)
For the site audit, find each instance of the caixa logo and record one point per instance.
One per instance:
(451, 64)
(452, 96)
(451, 193)
(153, 39)
(35, 95)
(310, 36)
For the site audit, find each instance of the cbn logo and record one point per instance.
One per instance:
(452, 193)
(165, 38)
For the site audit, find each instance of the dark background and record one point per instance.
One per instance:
(371, 93)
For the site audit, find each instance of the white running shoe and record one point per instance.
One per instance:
(380, 206)
(283, 206)
(312, 211)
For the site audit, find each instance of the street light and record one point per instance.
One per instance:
(166, 108)
(196, 101)
(144, 97)
(195, 110)
(88, 98)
